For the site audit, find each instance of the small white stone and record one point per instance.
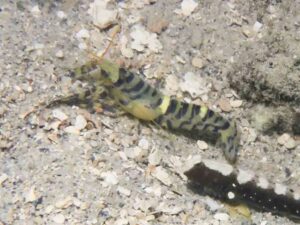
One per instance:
(144, 144)
(59, 54)
(290, 144)
(82, 34)
(110, 178)
(80, 122)
(59, 218)
(202, 145)
(61, 15)
(263, 183)
(162, 175)
(58, 114)
(223, 168)
(221, 216)
(123, 191)
(245, 176)
(3, 178)
(65, 203)
(72, 130)
(257, 26)
(283, 138)
(49, 209)
(187, 7)
(197, 62)
(212, 204)
(194, 84)
(35, 10)
(31, 195)
(101, 16)
(155, 157)
(82, 46)
(280, 189)
(236, 103)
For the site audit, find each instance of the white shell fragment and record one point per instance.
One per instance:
(64, 203)
(223, 168)
(101, 16)
(144, 39)
(287, 141)
(3, 178)
(110, 178)
(162, 175)
(187, 7)
(31, 195)
(245, 176)
(82, 34)
(58, 114)
(123, 191)
(194, 85)
(80, 122)
(202, 145)
(155, 157)
(221, 216)
(59, 218)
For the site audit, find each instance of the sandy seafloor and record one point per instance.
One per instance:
(55, 169)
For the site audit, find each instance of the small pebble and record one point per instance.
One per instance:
(72, 130)
(123, 191)
(162, 175)
(59, 218)
(58, 114)
(61, 15)
(80, 122)
(110, 178)
(59, 54)
(202, 145)
(144, 144)
(287, 141)
(221, 216)
(236, 103)
(197, 62)
(82, 34)
(35, 10)
(187, 7)
(225, 105)
(155, 157)
(31, 195)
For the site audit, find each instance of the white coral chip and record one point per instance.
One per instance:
(162, 175)
(187, 7)
(144, 39)
(280, 189)
(245, 176)
(101, 16)
(194, 85)
(223, 168)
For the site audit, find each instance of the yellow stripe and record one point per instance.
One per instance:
(165, 104)
(203, 111)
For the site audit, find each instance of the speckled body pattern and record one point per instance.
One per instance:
(230, 189)
(143, 101)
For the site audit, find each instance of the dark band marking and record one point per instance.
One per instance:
(119, 82)
(104, 73)
(159, 119)
(123, 102)
(154, 93)
(157, 103)
(137, 87)
(195, 111)
(183, 123)
(172, 106)
(141, 94)
(182, 111)
(130, 77)
(169, 124)
(210, 113)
